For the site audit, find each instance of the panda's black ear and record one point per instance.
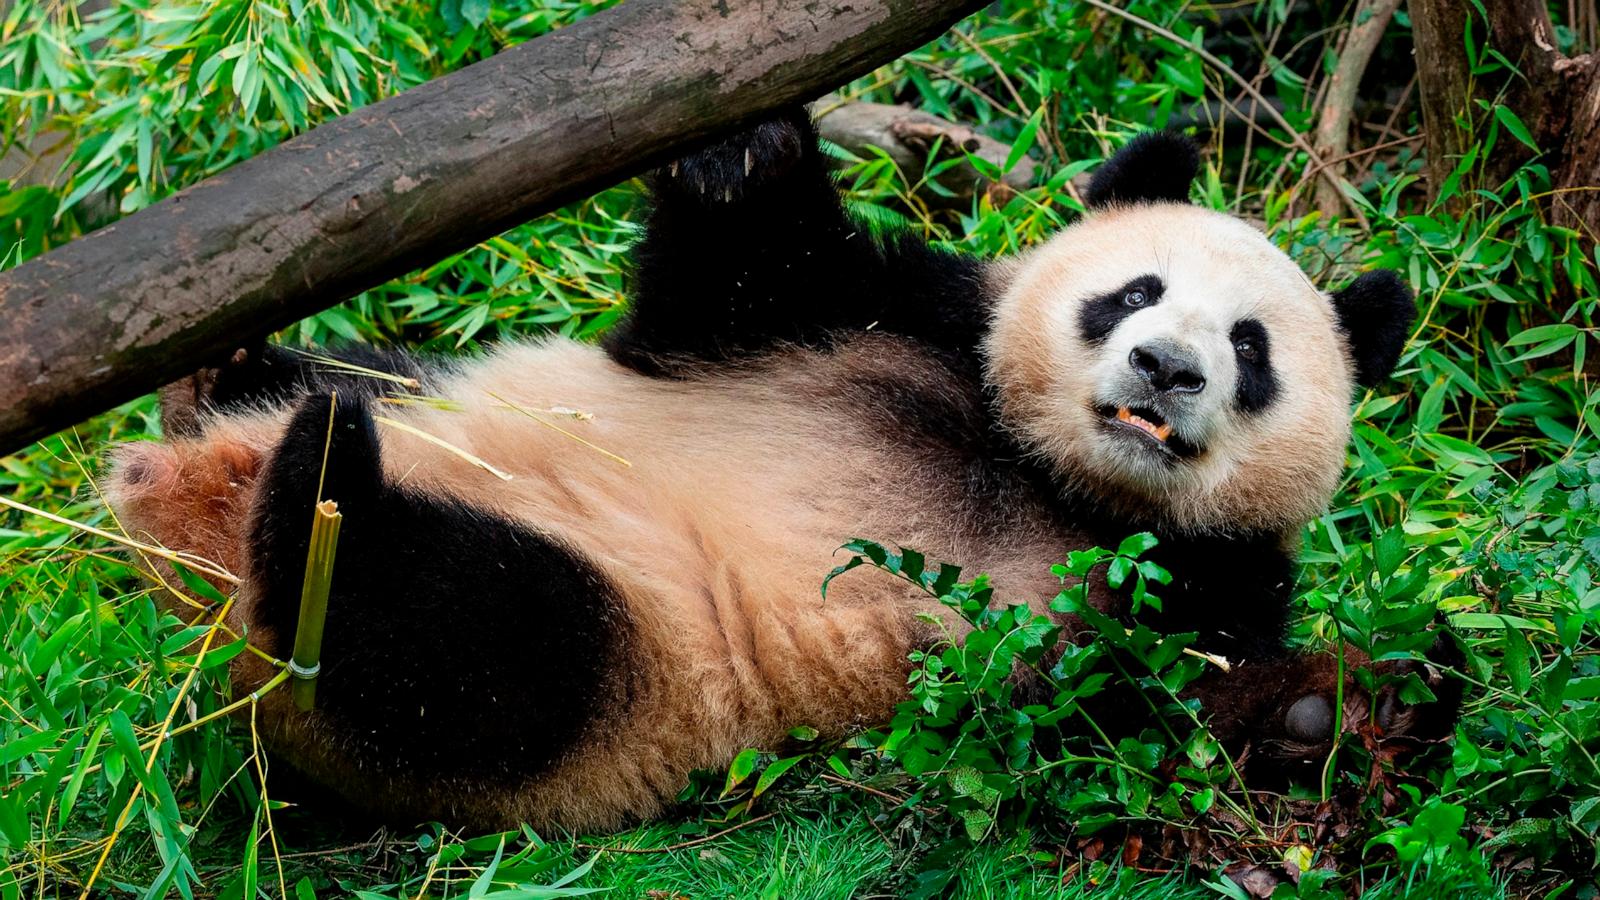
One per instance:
(1375, 312)
(1155, 166)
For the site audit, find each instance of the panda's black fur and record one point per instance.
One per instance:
(470, 656)
(1375, 310)
(1155, 166)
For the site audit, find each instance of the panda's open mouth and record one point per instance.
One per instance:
(1149, 426)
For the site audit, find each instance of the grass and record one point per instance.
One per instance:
(1473, 492)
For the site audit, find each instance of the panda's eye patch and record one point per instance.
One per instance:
(1258, 384)
(1100, 315)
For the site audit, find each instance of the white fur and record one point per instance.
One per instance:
(1274, 470)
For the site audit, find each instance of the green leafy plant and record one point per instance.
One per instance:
(1001, 726)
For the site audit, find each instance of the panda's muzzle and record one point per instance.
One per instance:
(1149, 426)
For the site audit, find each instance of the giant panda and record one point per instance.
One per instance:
(562, 643)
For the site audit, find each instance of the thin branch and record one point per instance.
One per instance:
(1370, 20)
(1356, 154)
(845, 782)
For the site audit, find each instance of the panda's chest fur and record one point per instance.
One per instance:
(738, 487)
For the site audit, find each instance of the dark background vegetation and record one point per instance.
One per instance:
(1454, 142)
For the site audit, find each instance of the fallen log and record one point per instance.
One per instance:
(376, 193)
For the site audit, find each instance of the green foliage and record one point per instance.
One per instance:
(1000, 731)
(115, 109)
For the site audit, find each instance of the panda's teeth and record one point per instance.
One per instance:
(1159, 432)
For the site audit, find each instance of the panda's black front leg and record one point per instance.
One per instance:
(1233, 591)
(748, 247)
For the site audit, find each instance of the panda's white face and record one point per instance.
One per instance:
(1174, 363)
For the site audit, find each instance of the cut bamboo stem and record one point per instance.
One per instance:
(307, 660)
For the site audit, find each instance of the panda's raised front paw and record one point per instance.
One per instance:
(741, 164)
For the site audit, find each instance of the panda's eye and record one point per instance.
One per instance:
(1246, 348)
(1135, 298)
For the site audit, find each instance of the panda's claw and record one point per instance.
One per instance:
(740, 165)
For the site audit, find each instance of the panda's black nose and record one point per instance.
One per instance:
(1168, 367)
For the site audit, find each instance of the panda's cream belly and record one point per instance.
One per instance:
(719, 531)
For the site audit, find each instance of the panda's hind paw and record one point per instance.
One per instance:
(1282, 713)
(1301, 727)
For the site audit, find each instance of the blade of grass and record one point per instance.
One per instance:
(557, 428)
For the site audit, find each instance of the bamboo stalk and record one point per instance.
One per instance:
(307, 660)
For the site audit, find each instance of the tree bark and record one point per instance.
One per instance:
(1576, 203)
(1443, 80)
(1555, 97)
(373, 194)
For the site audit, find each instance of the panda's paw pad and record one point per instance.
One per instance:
(733, 168)
(1307, 722)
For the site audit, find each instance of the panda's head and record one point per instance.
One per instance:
(1174, 365)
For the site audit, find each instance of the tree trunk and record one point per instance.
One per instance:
(1333, 127)
(1576, 203)
(1556, 97)
(373, 194)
